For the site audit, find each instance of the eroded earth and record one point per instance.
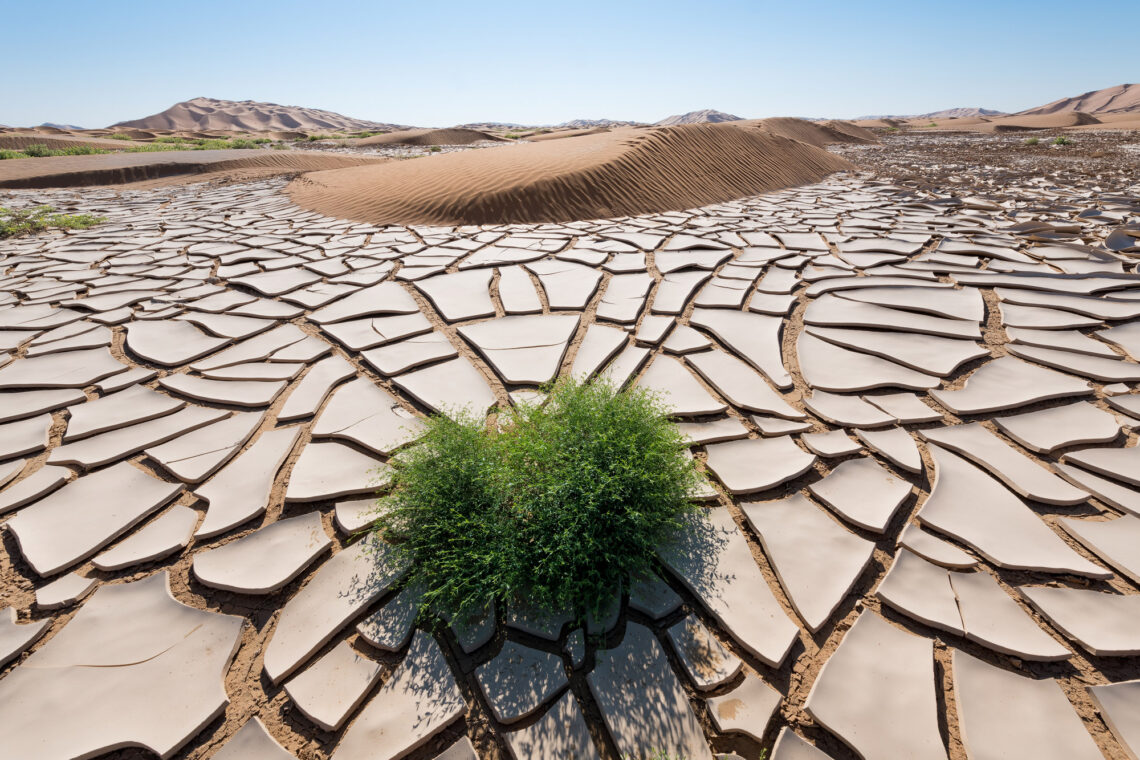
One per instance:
(916, 408)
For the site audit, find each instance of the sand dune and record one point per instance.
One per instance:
(605, 175)
(885, 123)
(817, 133)
(1119, 99)
(57, 141)
(248, 116)
(453, 136)
(118, 168)
(559, 134)
(1040, 121)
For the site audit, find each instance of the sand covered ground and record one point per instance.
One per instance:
(122, 168)
(912, 385)
(624, 171)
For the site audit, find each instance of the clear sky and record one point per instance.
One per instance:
(438, 63)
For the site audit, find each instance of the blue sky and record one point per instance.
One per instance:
(437, 63)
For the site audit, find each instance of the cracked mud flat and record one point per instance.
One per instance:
(922, 398)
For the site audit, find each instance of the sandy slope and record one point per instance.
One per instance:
(453, 136)
(58, 141)
(247, 116)
(1040, 121)
(817, 133)
(611, 174)
(1122, 98)
(117, 168)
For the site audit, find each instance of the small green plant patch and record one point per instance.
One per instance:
(1032, 141)
(119, 136)
(15, 222)
(39, 150)
(1062, 141)
(435, 149)
(557, 506)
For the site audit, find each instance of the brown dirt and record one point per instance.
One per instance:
(120, 168)
(454, 136)
(618, 173)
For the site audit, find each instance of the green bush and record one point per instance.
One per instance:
(434, 149)
(1062, 141)
(39, 150)
(24, 221)
(558, 507)
(156, 147)
(118, 136)
(12, 154)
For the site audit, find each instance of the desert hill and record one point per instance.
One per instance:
(1123, 98)
(707, 116)
(946, 113)
(248, 116)
(961, 113)
(608, 174)
(453, 136)
(595, 123)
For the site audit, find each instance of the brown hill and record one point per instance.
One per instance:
(119, 168)
(453, 136)
(619, 173)
(19, 141)
(817, 133)
(1020, 122)
(961, 113)
(707, 116)
(248, 116)
(1122, 98)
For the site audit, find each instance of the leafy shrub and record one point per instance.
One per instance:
(434, 149)
(118, 136)
(39, 150)
(1062, 141)
(24, 221)
(156, 147)
(559, 507)
(12, 154)
(1032, 141)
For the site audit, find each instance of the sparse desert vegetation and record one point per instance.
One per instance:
(16, 222)
(559, 504)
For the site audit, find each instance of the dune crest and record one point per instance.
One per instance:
(619, 173)
(817, 133)
(120, 168)
(1043, 121)
(452, 136)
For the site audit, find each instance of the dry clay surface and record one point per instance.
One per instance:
(921, 536)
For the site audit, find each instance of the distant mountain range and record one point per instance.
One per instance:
(210, 114)
(595, 123)
(1123, 98)
(249, 116)
(707, 116)
(947, 113)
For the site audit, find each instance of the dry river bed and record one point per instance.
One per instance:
(916, 408)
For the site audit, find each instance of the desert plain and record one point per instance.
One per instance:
(905, 352)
